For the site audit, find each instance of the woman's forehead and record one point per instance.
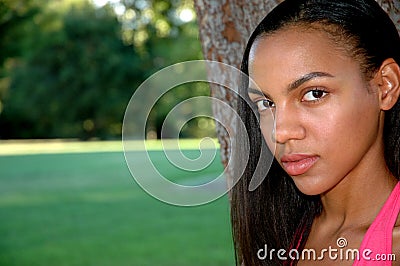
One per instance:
(295, 50)
(276, 61)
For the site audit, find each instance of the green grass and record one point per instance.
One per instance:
(86, 209)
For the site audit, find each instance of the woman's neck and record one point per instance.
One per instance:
(360, 195)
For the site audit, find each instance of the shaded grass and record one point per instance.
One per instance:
(85, 209)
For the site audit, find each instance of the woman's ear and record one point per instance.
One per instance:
(388, 81)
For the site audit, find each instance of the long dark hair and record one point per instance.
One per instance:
(276, 214)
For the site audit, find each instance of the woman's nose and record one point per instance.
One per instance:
(288, 126)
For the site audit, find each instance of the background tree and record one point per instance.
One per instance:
(13, 16)
(166, 32)
(225, 27)
(72, 77)
(68, 68)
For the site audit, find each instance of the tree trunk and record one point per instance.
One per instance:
(392, 7)
(225, 26)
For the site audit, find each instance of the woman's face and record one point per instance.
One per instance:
(325, 115)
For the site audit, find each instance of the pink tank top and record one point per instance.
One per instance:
(377, 242)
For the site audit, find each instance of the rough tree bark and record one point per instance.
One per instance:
(225, 26)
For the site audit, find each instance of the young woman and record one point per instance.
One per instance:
(326, 104)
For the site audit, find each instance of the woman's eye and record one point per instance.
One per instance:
(314, 95)
(264, 104)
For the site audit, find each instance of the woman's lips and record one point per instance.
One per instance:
(298, 164)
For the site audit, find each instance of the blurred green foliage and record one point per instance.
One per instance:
(68, 68)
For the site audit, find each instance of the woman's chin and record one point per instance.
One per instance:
(310, 185)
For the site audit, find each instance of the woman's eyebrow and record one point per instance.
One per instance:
(294, 85)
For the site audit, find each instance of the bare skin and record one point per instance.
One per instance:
(326, 111)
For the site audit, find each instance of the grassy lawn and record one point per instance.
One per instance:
(84, 208)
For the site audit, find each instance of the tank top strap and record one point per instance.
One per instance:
(378, 238)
